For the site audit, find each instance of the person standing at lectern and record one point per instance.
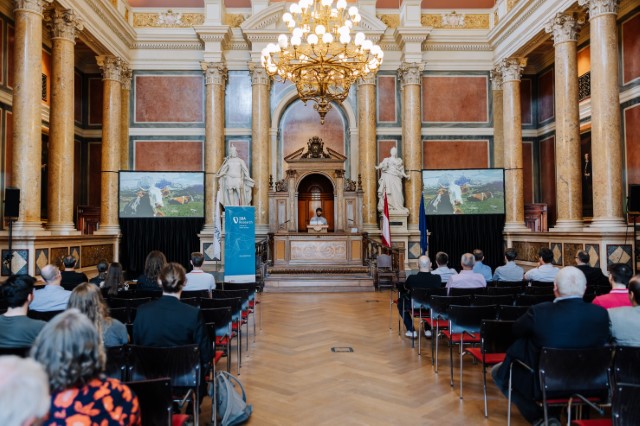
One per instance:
(318, 219)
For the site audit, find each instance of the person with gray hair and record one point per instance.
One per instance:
(423, 279)
(71, 351)
(466, 278)
(52, 297)
(24, 392)
(567, 322)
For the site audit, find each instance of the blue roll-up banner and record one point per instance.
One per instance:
(240, 245)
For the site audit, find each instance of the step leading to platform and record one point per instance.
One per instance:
(317, 283)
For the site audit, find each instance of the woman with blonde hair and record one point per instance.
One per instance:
(71, 351)
(114, 281)
(88, 300)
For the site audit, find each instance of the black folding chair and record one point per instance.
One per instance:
(439, 319)
(43, 315)
(187, 294)
(220, 320)
(492, 299)
(510, 312)
(116, 366)
(625, 365)
(156, 402)
(22, 352)
(504, 290)
(467, 291)
(533, 299)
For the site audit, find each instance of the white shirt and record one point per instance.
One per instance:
(318, 220)
(199, 280)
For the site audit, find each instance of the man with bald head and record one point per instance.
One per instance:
(467, 278)
(423, 279)
(52, 297)
(567, 322)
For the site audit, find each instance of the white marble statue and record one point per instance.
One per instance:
(234, 180)
(392, 172)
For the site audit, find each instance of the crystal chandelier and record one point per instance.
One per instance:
(321, 58)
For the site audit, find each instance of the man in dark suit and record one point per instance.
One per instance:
(70, 278)
(567, 322)
(595, 277)
(169, 322)
(423, 279)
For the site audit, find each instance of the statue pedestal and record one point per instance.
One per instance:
(397, 221)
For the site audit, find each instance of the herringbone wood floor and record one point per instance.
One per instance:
(292, 377)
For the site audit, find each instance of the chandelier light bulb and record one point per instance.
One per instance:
(283, 41)
(357, 18)
(327, 3)
(345, 38)
(294, 9)
(312, 39)
(295, 41)
(367, 44)
(297, 32)
(320, 29)
(342, 4)
(353, 11)
(327, 38)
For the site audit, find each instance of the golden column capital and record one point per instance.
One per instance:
(600, 7)
(64, 24)
(214, 73)
(564, 27)
(496, 78)
(511, 69)
(111, 67)
(125, 78)
(409, 73)
(34, 6)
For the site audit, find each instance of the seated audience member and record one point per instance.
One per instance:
(72, 353)
(153, 264)
(17, 330)
(625, 321)
(442, 269)
(198, 279)
(102, 267)
(546, 272)
(52, 297)
(510, 271)
(169, 322)
(480, 267)
(567, 322)
(466, 278)
(87, 299)
(24, 392)
(423, 279)
(619, 276)
(114, 281)
(71, 278)
(595, 277)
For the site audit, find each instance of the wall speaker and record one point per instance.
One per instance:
(634, 199)
(11, 202)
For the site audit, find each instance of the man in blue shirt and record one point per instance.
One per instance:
(481, 268)
(510, 271)
(546, 272)
(52, 297)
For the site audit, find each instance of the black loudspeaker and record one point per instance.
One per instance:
(634, 199)
(11, 202)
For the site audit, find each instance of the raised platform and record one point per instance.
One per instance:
(318, 280)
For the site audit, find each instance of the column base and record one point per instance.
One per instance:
(262, 230)
(63, 229)
(108, 230)
(515, 227)
(207, 229)
(608, 224)
(568, 225)
(29, 229)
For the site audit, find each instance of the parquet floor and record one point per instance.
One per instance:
(292, 377)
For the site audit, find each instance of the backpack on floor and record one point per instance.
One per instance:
(232, 406)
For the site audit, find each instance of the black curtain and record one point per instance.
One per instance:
(459, 234)
(175, 237)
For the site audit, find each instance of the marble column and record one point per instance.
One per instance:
(215, 77)
(27, 133)
(498, 126)
(606, 144)
(64, 26)
(124, 118)
(367, 146)
(511, 70)
(112, 68)
(412, 139)
(565, 29)
(260, 145)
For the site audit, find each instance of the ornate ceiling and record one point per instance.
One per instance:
(384, 4)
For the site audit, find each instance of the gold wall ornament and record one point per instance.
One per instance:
(233, 20)
(391, 21)
(454, 20)
(168, 19)
(320, 56)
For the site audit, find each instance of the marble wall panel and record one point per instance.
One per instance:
(94, 190)
(528, 250)
(42, 259)
(631, 49)
(556, 249)
(455, 154)
(78, 182)
(449, 99)
(169, 99)
(546, 107)
(527, 172)
(96, 95)
(387, 99)
(299, 123)
(11, 42)
(584, 60)
(526, 100)
(77, 98)
(243, 147)
(619, 253)
(548, 177)
(278, 91)
(594, 254)
(384, 148)
(57, 254)
(46, 70)
(569, 253)
(168, 155)
(19, 262)
(632, 138)
(91, 255)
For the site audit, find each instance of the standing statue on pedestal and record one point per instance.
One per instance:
(390, 181)
(234, 180)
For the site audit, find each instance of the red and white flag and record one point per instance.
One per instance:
(386, 225)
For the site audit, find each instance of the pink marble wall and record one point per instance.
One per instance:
(386, 99)
(448, 99)
(632, 142)
(384, 148)
(168, 155)
(526, 100)
(527, 171)
(462, 154)
(243, 147)
(169, 99)
(631, 49)
(96, 95)
(548, 177)
(546, 107)
(299, 123)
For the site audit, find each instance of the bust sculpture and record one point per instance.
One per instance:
(234, 180)
(392, 172)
